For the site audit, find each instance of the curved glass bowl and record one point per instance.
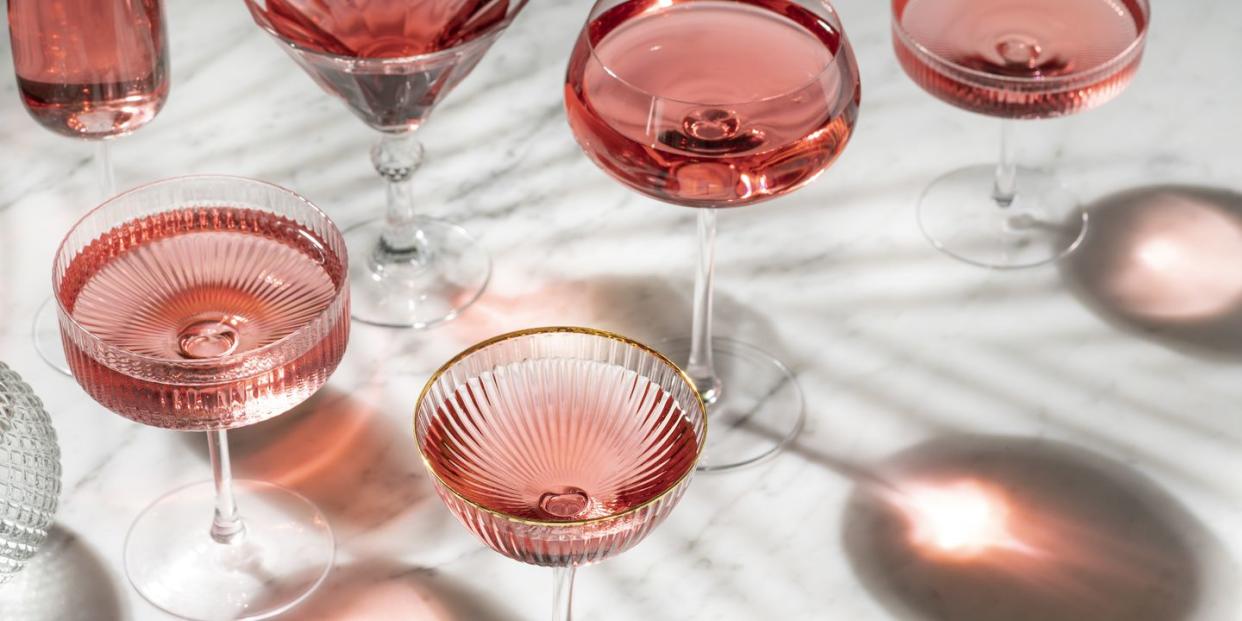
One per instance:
(114, 365)
(560, 446)
(1022, 97)
(29, 473)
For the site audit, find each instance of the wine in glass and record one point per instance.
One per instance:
(392, 63)
(208, 304)
(1014, 59)
(712, 104)
(560, 447)
(89, 69)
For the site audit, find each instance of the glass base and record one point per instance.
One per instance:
(46, 332)
(174, 563)
(756, 410)
(960, 217)
(419, 292)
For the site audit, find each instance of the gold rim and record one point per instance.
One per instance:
(435, 377)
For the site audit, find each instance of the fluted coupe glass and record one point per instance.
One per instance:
(560, 447)
(714, 104)
(1014, 59)
(93, 70)
(392, 63)
(207, 304)
(29, 473)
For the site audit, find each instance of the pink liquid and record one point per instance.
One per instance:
(1069, 55)
(196, 285)
(712, 103)
(90, 68)
(554, 447)
(393, 97)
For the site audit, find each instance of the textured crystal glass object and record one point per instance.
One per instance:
(29, 473)
(560, 447)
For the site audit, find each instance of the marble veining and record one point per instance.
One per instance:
(906, 357)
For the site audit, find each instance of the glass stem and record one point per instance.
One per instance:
(397, 157)
(227, 526)
(1005, 190)
(103, 163)
(563, 593)
(701, 367)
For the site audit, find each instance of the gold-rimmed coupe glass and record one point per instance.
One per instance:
(560, 447)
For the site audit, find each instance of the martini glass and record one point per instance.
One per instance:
(93, 70)
(713, 104)
(208, 304)
(1014, 59)
(560, 447)
(392, 63)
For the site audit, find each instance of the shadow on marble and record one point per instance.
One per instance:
(1162, 262)
(66, 581)
(385, 590)
(649, 309)
(358, 466)
(980, 528)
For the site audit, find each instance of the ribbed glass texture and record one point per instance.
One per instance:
(560, 446)
(203, 303)
(29, 473)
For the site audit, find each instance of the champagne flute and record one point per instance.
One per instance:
(1014, 59)
(714, 104)
(88, 69)
(392, 63)
(560, 447)
(208, 304)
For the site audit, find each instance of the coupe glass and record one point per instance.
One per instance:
(29, 473)
(207, 304)
(392, 63)
(713, 104)
(1014, 59)
(88, 69)
(560, 447)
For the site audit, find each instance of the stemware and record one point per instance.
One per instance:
(713, 104)
(207, 304)
(392, 63)
(88, 69)
(1014, 59)
(560, 447)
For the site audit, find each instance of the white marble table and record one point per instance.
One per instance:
(1108, 391)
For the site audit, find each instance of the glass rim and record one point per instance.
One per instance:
(260, 18)
(835, 23)
(1136, 45)
(342, 288)
(477, 347)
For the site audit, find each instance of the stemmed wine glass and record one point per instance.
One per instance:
(208, 304)
(392, 63)
(713, 104)
(1014, 59)
(560, 447)
(89, 69)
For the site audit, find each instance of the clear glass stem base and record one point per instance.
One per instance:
(758, 409)
(284, 555)
(46, 333)
(416, 289)
(962, 217)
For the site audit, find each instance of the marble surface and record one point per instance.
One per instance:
(1101, 395)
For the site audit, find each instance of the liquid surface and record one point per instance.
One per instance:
(712, 103)
(197, 285)
(1056, 44)
(561, 440)
(90, 68)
